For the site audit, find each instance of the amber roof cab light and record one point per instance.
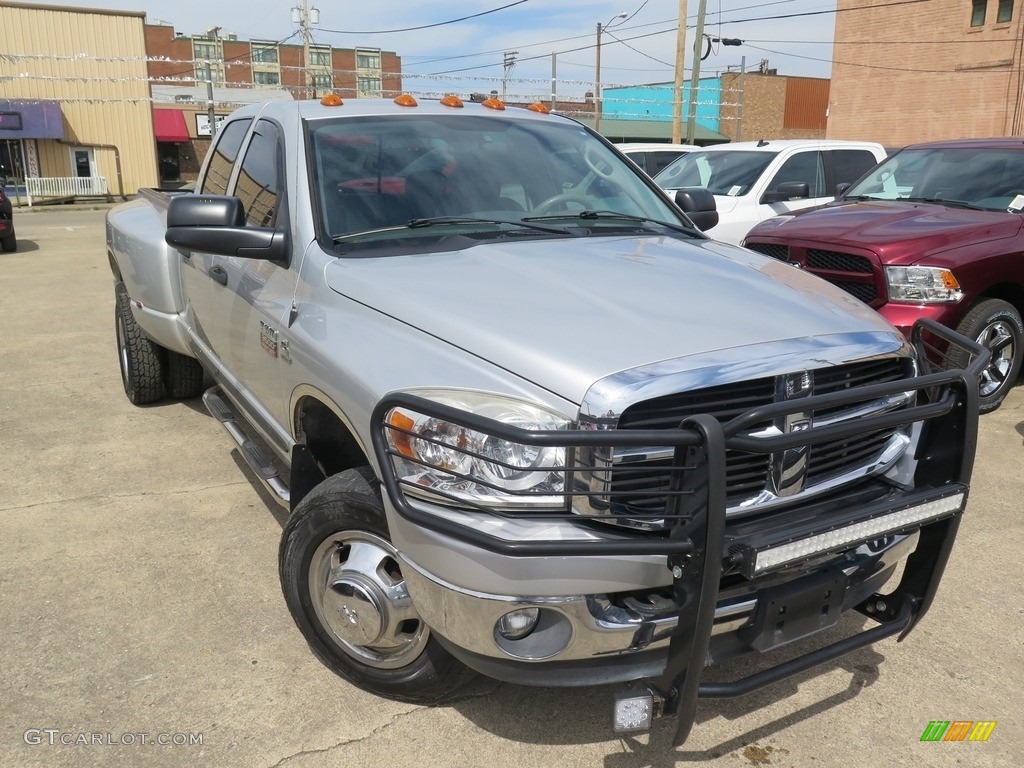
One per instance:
(406, 100)
(331, 100)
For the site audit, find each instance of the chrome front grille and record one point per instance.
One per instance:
(639, 480)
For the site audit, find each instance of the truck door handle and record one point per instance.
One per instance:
(219, 274)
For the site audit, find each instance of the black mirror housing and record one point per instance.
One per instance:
(216, 224)
(699, 205)
(787, 190)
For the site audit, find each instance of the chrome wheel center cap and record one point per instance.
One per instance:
(353, 612)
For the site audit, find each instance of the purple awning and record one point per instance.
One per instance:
(31, 119)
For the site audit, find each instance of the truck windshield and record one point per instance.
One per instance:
(481, 176)
(973, 177)
(724, 173)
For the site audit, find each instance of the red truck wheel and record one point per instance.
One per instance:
(997, 325)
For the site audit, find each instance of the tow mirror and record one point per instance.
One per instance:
(216, 224)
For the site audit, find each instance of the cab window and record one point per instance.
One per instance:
(229, 141)
(259, 180)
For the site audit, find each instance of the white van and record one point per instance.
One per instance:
(755, 180)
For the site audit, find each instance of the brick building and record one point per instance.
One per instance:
(909, 72)
(732, 106)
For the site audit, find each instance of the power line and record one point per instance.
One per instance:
(424, 26)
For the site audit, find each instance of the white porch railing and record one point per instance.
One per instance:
(69, 186)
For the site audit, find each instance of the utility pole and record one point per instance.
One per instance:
(209, 101)
(698, 43)
(597, 83)
(507, 64)
(743, 96)
(677, 89)
(305, 17)
(305, 49)
(554, 81)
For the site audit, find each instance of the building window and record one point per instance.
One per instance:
(1005, 12)
(322, 83)
(320, 57)
(367, 60)
(206, 51)
(266, 78)
(368, 86)
(978, 12)
(264, 53)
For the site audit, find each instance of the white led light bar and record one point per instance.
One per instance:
(774, 557)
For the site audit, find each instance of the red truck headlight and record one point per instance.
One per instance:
(922, 285)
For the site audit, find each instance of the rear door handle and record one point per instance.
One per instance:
(219, 274)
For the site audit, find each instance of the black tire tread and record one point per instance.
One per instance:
(9, 244)
(146, 384)
(183, 376)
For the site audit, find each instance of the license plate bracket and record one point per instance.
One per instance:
(796, 609)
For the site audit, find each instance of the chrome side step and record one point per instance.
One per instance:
(252, 450)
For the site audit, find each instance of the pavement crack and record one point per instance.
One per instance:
(347, 742)
(129, 495)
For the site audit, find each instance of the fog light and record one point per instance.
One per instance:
(516, 625)
(634, 711)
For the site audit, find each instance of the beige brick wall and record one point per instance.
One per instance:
(763, 110)
(919, 72)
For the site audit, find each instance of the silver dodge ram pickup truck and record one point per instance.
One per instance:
(529, 420)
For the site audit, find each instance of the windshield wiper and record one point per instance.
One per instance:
(444, 220)
(612, 216)
(440, 220)
(944, 201)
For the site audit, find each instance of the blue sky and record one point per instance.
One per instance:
(468, 55)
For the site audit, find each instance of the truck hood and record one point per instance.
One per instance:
(564, 314)
(899, 232)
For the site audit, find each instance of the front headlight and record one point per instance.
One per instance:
(448, 462)
(922, 285)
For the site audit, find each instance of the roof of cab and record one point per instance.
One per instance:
(312, 109)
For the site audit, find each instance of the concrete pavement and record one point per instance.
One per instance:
(141, 612)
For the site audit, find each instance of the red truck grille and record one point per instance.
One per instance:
(852, 272)
(638, 486)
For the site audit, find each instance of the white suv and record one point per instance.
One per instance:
(755, 180)
(653, 158)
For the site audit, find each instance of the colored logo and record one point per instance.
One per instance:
(958, 730)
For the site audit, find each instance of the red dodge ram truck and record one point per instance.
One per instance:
(936, 230)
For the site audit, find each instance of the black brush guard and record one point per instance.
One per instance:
(696, 544)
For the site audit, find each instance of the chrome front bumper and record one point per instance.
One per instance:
(581, 628)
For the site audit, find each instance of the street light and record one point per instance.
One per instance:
(597, 69)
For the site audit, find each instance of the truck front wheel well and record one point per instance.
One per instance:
(1011, 293)
(328, 441)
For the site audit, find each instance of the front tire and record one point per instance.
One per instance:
(342, 581)
(996, 325)
(139, 357)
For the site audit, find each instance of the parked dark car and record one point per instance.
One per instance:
(7, 239)
(935, 230)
